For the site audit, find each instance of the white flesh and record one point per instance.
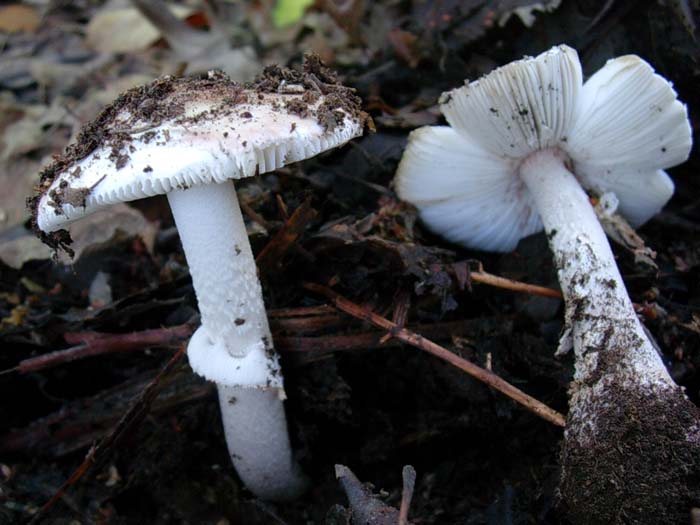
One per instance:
(600, 317)
(258, 443)
(233, 347)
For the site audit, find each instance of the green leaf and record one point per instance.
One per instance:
(287, 12)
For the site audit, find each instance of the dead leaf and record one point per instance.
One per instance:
(15, 18)
(24, 129)
(526, 13)
(125, 30)
(19, 245)
(17, 180)
(16, 316)
(35, 130)
(102, 226)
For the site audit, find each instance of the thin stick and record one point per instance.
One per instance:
(98, 343)
(95, 343)
(285, 238)
(301, 311)
(465, 275)
(516, 286)
(413, 339)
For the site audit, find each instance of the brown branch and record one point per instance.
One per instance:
(94, 343)
(90, 344)
(97, 454)
(485, 376)
(254, 216)
(326, 344)
(272, 253)
(516, 286)
(465, 275)
(301, 311)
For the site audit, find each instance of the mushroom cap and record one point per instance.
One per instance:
(179, 132)
(619, 130)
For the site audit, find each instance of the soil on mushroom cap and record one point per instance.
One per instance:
(149, 106)
(316, 80)
(644, 466)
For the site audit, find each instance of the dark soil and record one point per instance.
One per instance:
(645, 466)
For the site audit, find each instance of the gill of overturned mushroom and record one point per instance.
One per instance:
(524, 144)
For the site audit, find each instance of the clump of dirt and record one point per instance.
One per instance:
(643, 466)
(316, 80)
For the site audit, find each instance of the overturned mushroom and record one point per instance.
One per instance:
(188, 138)
(523, 143)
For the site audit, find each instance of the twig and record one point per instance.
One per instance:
(599, 16)
(364, 505)
(516, 286)
(254, 216)
(402, 302)
(78, 424)
(301, 311)
(95, 343)
(98, 453)
(105, 343)
(489, 378)
(181, 38)
(348, 342)
(285, 237)
(89, 344)
(465, 274)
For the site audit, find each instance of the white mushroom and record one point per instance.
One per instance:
(188, 138)
(523, 143)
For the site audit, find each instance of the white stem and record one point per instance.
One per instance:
(263, 459)
(233, 347)
(608, 340)
(222, 266)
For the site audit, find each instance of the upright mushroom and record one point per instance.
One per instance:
(523, 143)
(188, 138)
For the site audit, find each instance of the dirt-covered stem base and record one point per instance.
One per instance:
(632, 443)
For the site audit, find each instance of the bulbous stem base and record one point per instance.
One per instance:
(631, 452)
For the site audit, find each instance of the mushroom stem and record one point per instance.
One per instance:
(600, 317)
(628, 423)
(221, 262)
(256, 435)
(233, 347)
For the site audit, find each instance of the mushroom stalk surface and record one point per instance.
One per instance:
(221, 262)
(233, 346)
(258, 443)
(628, 422)
(599, 314)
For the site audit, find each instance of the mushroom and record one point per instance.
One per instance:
(523, 144)
(188, 138)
